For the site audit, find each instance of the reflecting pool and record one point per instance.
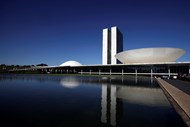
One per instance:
(61, 101)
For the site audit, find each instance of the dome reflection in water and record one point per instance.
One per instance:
(70, 82)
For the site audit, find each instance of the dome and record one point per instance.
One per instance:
(71, 63)
(150, 55)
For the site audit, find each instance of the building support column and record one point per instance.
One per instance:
(151, 72)
(81, 71)
(136, 72)
(151, 78)
(99, 71)
(122, 71)
(74, 70)
(169, 71)
(110, 71)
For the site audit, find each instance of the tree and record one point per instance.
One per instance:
(42, 64)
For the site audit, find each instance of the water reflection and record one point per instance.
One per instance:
(143, 96)
(90, 101)
(113, 97)
(108, 103)
(70, 82)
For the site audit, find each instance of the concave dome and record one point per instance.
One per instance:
(150, 55)
(71, 63)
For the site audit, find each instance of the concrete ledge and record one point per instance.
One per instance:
(179, 99)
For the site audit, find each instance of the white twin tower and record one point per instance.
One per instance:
(112, 44)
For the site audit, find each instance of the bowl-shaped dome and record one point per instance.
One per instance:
(71, 63)
(150, 55)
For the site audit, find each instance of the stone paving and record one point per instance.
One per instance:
(179, 91)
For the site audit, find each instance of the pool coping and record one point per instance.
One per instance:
(179, 99)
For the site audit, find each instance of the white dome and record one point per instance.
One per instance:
(71, 63)
(150, 55)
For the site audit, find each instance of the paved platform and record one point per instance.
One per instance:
(178, 92)
(182, 85)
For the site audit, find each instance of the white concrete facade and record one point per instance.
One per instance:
(105, 44)
(112, 44)
(150, 55)
(71, 63)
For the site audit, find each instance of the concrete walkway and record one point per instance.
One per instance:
(179, 93)
(182, 85)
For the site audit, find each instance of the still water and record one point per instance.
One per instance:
(65, 101)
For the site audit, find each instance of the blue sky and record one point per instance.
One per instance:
(55, 31)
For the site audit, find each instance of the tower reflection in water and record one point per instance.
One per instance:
(111, 105)
(136, 91)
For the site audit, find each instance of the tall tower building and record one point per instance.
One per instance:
(106, 48)
(112, 44)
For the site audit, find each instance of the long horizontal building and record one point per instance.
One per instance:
(169, 69)
(115, 61)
